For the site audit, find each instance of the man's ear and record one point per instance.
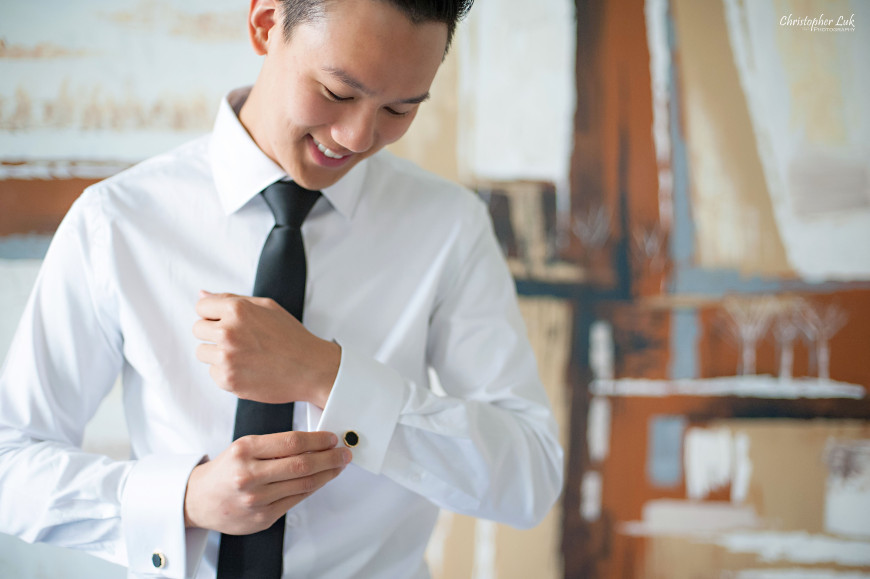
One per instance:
(263, 21)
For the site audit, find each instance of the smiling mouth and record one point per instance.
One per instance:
(325, 150)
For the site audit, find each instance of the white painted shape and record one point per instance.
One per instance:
(61, 170)
(844, 178)
(437, 546)
(707, 460)
(796, 547)
(847, 494)
(742, 469)
(656, 19)
(601, 350)
(689, 518)
(484, 550)
(828, 247)
(590, 496)
(517, 90)
(129, 147)
(598, 428)
(742, 386)
(847, 510)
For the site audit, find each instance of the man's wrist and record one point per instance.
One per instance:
(327, 364)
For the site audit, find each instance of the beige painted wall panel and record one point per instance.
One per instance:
(735, 226)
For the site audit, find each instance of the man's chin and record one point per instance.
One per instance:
(320, 178)
(317, 184)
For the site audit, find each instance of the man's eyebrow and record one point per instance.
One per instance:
(353, 83)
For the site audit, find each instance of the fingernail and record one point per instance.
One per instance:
(347, 455)
(203, 293)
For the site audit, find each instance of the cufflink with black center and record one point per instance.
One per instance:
(158, 560)
(350, 438)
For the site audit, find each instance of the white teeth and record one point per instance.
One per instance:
(327, 152)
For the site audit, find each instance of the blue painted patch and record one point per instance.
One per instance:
(718, 283)
(31, 246)
(721, 282)
(664, 462)
(682, 239)
(684, 343)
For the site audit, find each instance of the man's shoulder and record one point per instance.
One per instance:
(393, 167)
(159, 174)
(404, 182)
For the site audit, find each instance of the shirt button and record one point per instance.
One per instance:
(158, 560)
(351, 438)
(292, 519)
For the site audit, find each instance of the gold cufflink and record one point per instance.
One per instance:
(158, 560)
(350, 438)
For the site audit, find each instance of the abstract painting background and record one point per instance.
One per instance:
(682, 190)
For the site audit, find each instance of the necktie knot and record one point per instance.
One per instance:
(289, 202)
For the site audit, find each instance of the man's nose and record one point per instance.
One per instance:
(356, 130)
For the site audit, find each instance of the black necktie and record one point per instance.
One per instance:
(280, 276)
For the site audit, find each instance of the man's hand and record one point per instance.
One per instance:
(257, 479)
(259, 352)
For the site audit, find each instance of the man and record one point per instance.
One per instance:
(403, 275)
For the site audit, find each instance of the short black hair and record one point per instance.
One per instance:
(450, 12)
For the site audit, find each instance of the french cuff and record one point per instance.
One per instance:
(152, 518)
(363, 408)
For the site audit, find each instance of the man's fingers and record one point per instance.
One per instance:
(303, 465)
(208, 331)
(208, 353)
(279, 491)
(214, 306)
(284, 444)
(226, 305)
(282, 506)
(288, 495)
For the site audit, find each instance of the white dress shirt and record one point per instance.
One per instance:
(404, 272)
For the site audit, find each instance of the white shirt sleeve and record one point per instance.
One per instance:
(64, 359)
(490, 447)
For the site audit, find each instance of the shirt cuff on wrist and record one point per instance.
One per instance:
(364, 408)
(152, 518)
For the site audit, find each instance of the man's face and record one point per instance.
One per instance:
(341, 87)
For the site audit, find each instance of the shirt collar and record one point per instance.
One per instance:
(241, 170)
